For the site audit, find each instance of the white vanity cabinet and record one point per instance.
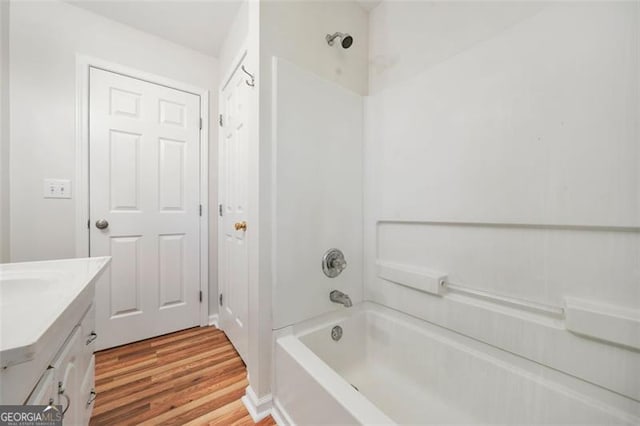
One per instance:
(47, 335)
(69, 379)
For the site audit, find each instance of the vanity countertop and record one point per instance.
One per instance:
(34, 297)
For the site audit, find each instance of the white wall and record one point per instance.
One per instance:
(43, 108)
(234, 42)
(502, 149)
(45, 39)
(296, 30)
(318, 192)
(4, 131)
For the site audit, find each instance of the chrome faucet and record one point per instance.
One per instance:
(336, 296)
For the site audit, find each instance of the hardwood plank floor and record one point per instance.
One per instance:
(192, 377)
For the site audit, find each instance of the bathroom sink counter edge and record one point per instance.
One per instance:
(48, 299)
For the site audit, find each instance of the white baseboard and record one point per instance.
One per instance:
(258, 408)
(213, 320)
(280, 415)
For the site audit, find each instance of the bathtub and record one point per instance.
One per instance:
(390, 368)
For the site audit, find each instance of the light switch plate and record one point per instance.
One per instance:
(57, 188)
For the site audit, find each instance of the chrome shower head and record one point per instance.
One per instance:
(346, 42)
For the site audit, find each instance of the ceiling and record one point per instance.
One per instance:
(199, 25)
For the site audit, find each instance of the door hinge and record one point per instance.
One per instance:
(220, 120)
(200, 209)
(200, 123)
(200, 296)
(89, 224)
(220, 209)
(220, 299)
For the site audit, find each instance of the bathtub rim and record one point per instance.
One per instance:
(352, 401)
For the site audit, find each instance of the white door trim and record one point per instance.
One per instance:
(83, 64)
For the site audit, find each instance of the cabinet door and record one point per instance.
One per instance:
(44, 392)
(87, 364)
(89, 336)
(68, 378)
(88, 392)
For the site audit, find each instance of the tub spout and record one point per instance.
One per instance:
(336, 296)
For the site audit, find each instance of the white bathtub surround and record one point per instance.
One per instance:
(41, 303)
(410, 371)
(501, 149)
(318, 192)
(290, 30)
(500, 203)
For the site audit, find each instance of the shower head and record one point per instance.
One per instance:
(346, 42)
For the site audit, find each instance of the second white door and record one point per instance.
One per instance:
(233, 228)
(144, 206)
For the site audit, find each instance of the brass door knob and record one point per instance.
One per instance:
(241, 226)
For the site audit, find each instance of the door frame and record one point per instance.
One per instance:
(83, 66)
(224, 82)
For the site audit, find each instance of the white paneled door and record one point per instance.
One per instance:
(144, 162)
(233, 257)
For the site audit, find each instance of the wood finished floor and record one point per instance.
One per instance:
(192, 377)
